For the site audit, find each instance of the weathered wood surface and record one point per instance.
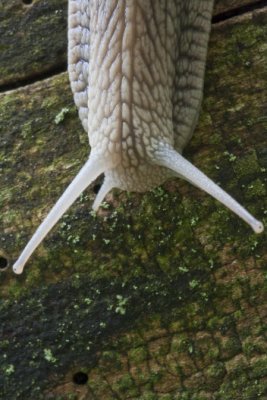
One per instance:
(161, 296)
(33, 37)
(224, 6)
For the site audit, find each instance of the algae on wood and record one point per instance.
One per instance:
(161, 296)
(225, 6)
(33, 37)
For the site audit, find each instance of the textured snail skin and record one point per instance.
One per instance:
(136, 70)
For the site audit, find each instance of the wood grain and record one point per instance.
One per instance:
(33, 38)
(162, 295)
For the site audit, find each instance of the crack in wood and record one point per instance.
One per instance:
(237, 11)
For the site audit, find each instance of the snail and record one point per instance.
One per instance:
(136, 71)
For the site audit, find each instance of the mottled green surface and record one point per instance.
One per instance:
(222, 6)
(162, 295)
(32, 39)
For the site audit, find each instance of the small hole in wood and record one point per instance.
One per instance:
(27, 2)
(80, 378)
(3, 263)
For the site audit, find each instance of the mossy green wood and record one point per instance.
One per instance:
(33, 38)
(162, 295)
(222, 6)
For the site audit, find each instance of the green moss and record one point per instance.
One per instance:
(48, 355)
(149, 396)
(247, 165)
(8, 369)
(26, 48)
(165, 397)
(256, 188)
(259, 367)
(61, 115)
(130, 293)
(216, 372)
(125, 386)
(138, 355)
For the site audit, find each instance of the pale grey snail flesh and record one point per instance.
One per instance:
(136, 70)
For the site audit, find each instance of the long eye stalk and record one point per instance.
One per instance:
(169, 158)
(89, 172)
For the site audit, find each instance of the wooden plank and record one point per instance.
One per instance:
(33, 38)
(223, 6)
(161, 294)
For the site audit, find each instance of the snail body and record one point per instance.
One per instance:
(136, 70)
